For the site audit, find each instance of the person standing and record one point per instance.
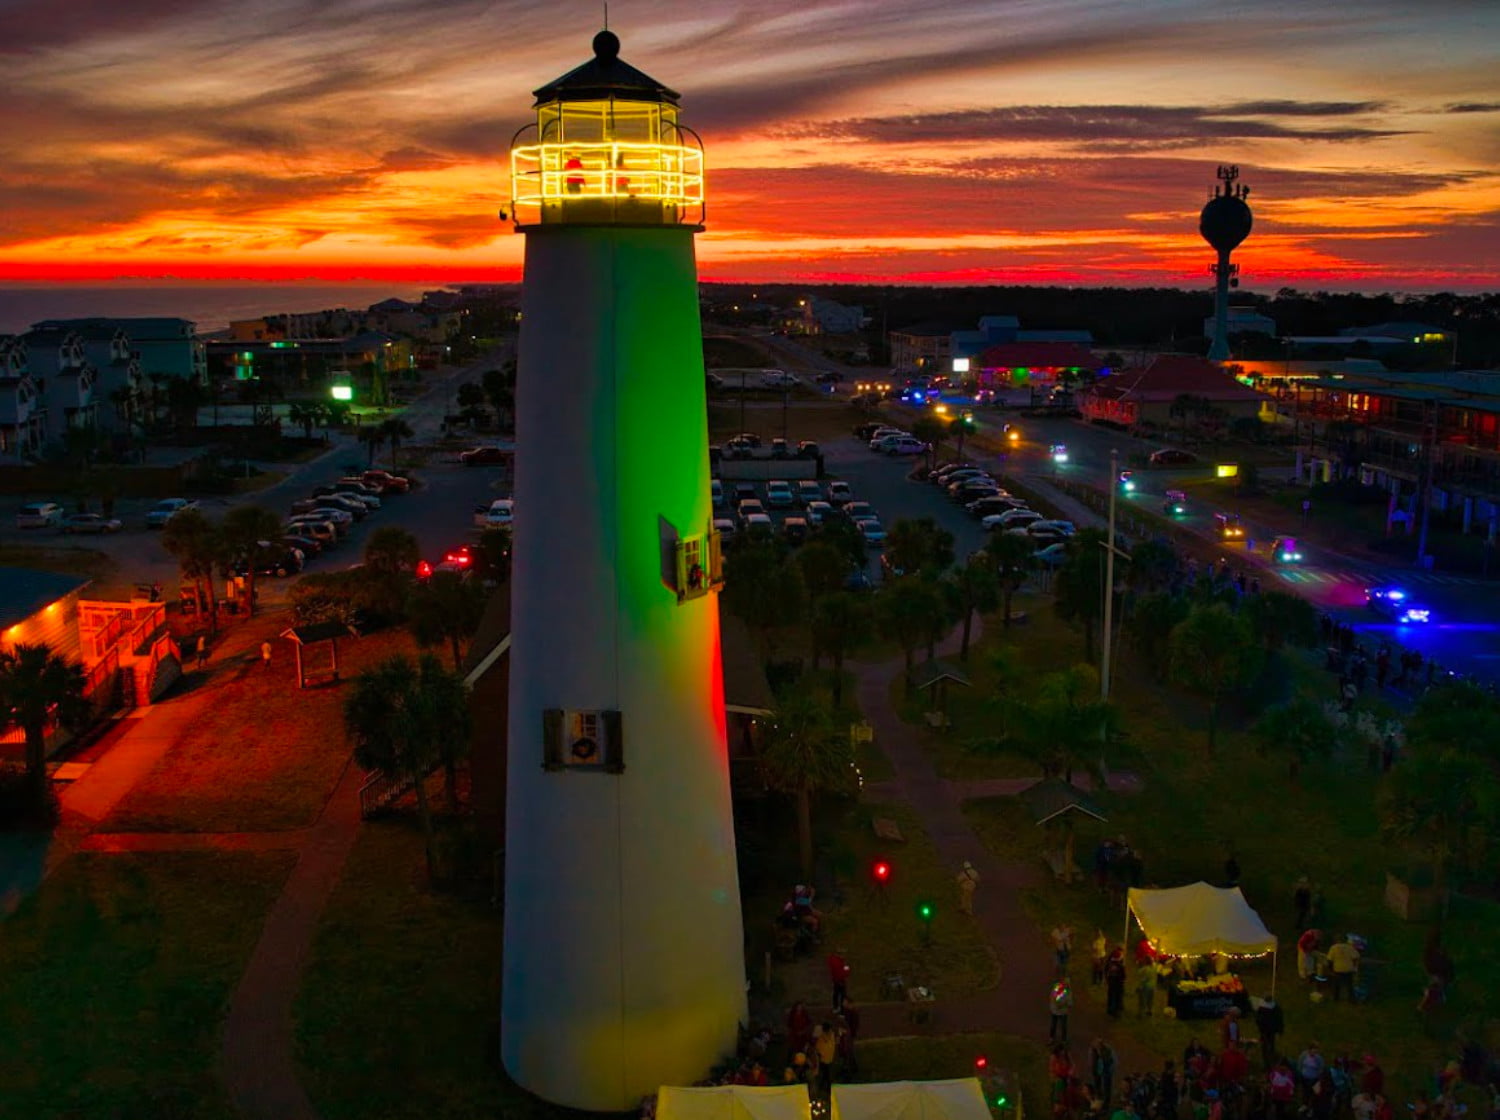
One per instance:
(265, 654)
(799, 1027)
(1102, 1071)
(203, 651)
(1270, 1021)
(1307, 953)
(1114, 982)
(1062, 946)
(1310, 1067)
(1283, 1089)
(1231, 870)
(1343, 959)
(838, 975)
(968, 882)
(1100, 947)
(1302, 901)
(1060, 1002)
(1145, 991)
(825, 1045)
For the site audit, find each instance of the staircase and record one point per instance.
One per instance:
(380, 792)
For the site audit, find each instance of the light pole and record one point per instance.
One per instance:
(1109, 577)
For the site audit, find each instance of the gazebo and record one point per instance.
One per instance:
(1052, 803)
(316, 634)
(935, 676)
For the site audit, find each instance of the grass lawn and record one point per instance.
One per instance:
(879, 929)
(1021, 1062)
(399, 1013)
(257, 754)
(822, 418)
(117, 973)
(722, 351)
(1194, 809)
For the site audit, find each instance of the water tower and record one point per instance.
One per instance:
(1224, 223)
(624, 946)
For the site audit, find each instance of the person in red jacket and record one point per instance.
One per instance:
(838, 975)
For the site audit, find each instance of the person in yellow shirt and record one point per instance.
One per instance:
(1343, 960)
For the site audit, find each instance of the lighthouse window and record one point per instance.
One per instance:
(693, 577)
(582, 739)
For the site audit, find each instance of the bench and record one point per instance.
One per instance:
(1062, 870)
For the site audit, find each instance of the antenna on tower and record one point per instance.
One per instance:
(606, 15)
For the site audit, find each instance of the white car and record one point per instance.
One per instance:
(839, 493)
(324, 532)
(1011, 519)
(342, 519)
(90, 523)
(907, 445)
(1052, 528)
(886, 442)
(166, 509)
(725, 528)
(499, 514)
(39, 515)
(759, 522)
(779, 494)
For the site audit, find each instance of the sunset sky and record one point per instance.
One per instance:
(1006, 141)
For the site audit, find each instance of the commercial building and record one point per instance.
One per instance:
(1020, 364)
(1143, 395)
(934, 349)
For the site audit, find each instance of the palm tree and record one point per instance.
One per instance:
(1153, 565)
(918, 545)
(307, 413)
(763, 587)
(447, 609)
(904, 613)
(933, 432)
(840, 623)
(244, 528)
(1213, 653)
(1080, 585)
(197, 545)
(1152, 619)
(976, 587)
(402, 718)
(1065, 718)
(824, 568)
(374, 439)
(396, 430)
(1300, 729)
(1442, 799)
(803, 754)
(393, 551)
(1012, 559)
(38, 687)
(1280, 618)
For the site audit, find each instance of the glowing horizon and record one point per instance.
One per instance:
(864, 142)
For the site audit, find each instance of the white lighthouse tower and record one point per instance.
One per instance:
(624, 948)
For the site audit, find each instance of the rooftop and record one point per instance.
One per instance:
(24, 591)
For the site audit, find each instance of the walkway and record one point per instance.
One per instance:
(1019, 1005)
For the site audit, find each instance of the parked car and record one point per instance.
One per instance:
(1171, 457)
(482, 456)
(884, 443)
(759, 523)
(808, 449)
(866, 432)
(358, 487)
(839, 492)
(994, 503)
(39, 515)
(324, 532)
(743, 490)
(499, 514)
(1175, 502)
(352, 504)
(716, 493)
(271, 559)
(748, 508)
(940, 473)
(817, 513)
(973, 490)
(779, 494)
(857, 511)
(341, 519)
(90, 523)
(386, 482)
(794, 529)
(963, 474)
(725, 528)
(872, 530)
(750, 439)
(308, 546)
(1053, 555)
(1049, 532)
(780, 449)
(166, 509)
(907, 445)
(808, 491)
(736, 449)
(1011, 519)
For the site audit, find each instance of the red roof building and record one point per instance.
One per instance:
(1144, 394)
(1027, 363)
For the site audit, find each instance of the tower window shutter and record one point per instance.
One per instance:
(552, 735)
(614, 744)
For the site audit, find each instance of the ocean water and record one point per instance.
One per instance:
(211, 306)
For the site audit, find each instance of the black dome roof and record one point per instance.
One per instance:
(1225, 221)
(605, 76)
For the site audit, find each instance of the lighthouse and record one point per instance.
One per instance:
(624, 946)
(1224, 223)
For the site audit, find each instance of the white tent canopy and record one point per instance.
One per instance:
(1198, 919)
(733, 1102)
(958, 1099)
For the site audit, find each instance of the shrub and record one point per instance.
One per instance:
(361, 598)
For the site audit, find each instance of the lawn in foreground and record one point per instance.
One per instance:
(259, 754)
(117, 974)
(400, 1005)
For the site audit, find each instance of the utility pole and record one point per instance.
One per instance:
(1424, 493)
(742, 400)
(1109, 575)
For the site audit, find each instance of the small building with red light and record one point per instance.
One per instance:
(1022, 364)
(1143, 395)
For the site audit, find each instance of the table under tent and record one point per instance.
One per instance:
(1199, 920)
